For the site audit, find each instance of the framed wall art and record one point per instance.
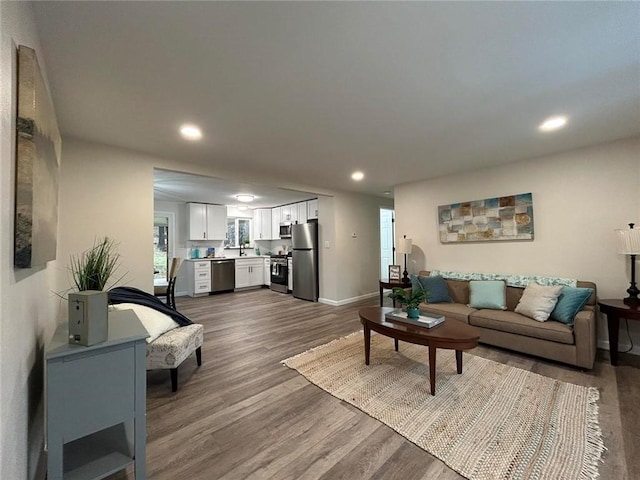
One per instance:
(492, 219)
(38, 147)
(395, 273)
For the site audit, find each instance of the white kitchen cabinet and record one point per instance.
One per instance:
(198, 277)
(197, 221)
(249, 272)
(286, 213)
(262, 224)
(290, 272)
(312, 209)
(216, 222)
(275, 223)
(207, 222)
(267, 272)
(302, 212)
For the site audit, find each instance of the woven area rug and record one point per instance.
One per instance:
(492, 422)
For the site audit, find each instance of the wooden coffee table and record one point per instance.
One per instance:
(451, 334)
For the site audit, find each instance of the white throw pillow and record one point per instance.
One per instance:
(538, 301)
(156, 323)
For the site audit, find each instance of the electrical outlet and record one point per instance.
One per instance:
(353, 235)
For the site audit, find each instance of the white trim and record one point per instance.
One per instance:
(346, 301)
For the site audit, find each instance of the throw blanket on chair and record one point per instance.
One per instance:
(134, 295)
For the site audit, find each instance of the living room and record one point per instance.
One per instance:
(581, 195)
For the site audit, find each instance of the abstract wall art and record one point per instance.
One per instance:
(493, 219)
(38, 148)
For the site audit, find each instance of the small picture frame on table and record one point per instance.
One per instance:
(394, 273)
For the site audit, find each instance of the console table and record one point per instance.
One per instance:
(386, 284)
(615, 310)
(96, 402)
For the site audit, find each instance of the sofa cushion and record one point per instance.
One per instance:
(434, 287)
(457, 311)
(512, 322)
(570, 302)
(538, 301)
(487, 294)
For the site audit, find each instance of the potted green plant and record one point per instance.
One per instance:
(92, 269)
(91, 272)
(411, 298)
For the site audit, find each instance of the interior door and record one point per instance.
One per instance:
(386, 241)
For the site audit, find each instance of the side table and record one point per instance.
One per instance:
(615, 310)
(385, 283)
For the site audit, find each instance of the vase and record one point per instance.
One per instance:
(413, 312)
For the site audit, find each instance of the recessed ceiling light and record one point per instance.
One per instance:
(190, 132)
(357, 176)
(245, 197)
(387, 192)
(553, 123)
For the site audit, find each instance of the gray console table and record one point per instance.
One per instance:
(96, 402)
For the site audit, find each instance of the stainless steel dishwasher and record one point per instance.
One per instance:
(223, 275)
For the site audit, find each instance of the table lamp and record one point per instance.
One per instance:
(405, 248)
(629, 244)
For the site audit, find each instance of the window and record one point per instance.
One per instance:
(238, 230)
(162, 244)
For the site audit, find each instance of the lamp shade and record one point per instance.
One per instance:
(405, 245)
(628, 241)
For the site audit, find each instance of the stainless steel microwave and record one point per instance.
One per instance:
(285, 230)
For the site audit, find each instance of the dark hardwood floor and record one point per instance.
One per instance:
(243, 415)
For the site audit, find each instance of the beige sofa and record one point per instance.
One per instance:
(573, 344)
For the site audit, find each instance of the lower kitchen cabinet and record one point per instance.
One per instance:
(198, 277)
(249, 272)
(290, 272)
(267, 272)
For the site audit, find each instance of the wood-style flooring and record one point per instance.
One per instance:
(243, 415)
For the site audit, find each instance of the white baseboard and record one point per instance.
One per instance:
(346, 301)
(604, 345)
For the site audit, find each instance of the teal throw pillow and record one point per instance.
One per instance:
(436, 287)
(490, 294)
(570, 302)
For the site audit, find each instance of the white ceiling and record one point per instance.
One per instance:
(183, 187)
(310, 91)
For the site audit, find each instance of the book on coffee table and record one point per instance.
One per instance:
(427, 320)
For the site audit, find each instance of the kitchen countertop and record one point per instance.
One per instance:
(229, 257)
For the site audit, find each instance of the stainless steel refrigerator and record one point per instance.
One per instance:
(304, 242)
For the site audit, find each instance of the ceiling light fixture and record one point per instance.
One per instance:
(245, 197)
(190, 132)
(242, 208)
(553, 123)
(357, 176)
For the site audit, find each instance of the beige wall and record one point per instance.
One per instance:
(579, 198)
(106, 191)
(27, 305)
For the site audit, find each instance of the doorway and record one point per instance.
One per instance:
(387, 234)
(163, 245)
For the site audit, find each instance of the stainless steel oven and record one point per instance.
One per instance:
(279, 273)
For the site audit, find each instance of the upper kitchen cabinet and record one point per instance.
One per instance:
(312, 209)
(262, 224)
(207, 222)
(287, 213)
(302, 212)
(275, 222)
